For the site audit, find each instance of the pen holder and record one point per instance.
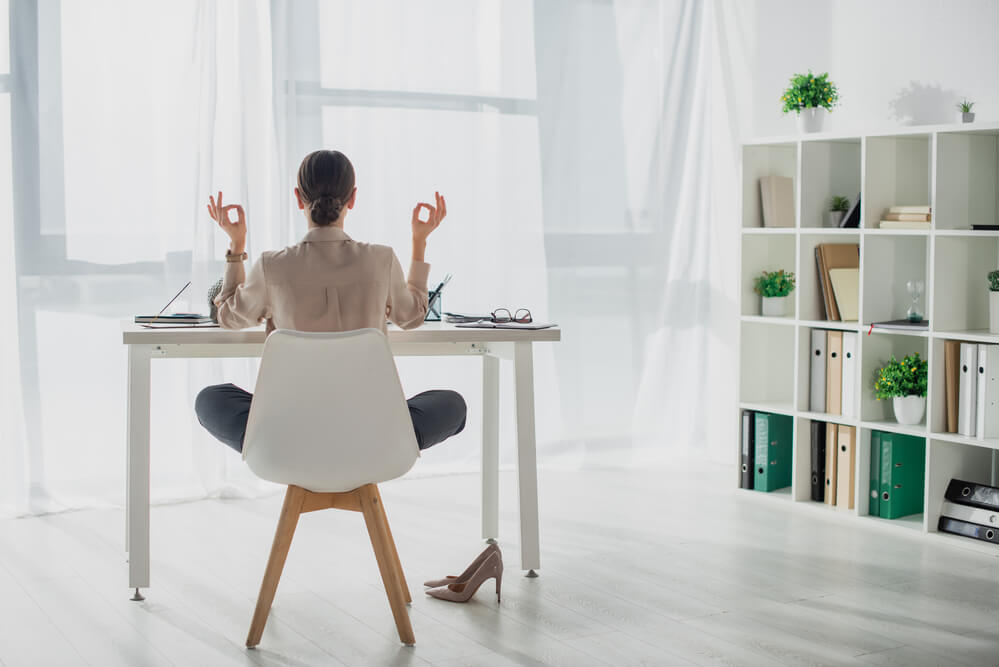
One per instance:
(433, 311)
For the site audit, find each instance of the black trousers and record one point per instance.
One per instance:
(224, 408)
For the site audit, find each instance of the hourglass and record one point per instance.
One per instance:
(915, 289)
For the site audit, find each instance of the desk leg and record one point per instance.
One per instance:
(527, 462)
(490, 447)
(137, 474)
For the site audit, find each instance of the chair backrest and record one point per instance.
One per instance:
(328, 413)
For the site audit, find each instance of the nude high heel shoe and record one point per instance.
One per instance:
(491, 568)
(469, 571)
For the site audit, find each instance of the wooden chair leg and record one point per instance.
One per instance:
(378, 532)
(395, 552)
(290, 511)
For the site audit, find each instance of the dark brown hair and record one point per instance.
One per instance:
(325, 181)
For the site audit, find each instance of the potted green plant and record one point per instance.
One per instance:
(994, 301)
(838, 206)
(773, 287)
(964, 111)
(905, 383)
(811, 97)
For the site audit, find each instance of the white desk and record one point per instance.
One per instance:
(430, 339)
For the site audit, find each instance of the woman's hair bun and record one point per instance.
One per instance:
(325, 209)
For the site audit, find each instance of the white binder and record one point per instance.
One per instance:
(968, 389)
(848, 408)
(987, 412)
(970, 514)
(817, 401)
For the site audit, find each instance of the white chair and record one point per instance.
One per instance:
(329, 419)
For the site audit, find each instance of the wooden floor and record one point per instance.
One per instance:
(651, 567)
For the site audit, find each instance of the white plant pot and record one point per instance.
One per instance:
(833, 218)
(774, 306)
(909, 409)
(810, 119)
(993, 312)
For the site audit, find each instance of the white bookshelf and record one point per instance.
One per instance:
(954, 169)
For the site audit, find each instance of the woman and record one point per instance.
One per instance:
(328, 282)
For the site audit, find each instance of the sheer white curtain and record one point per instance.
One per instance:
(573, 139)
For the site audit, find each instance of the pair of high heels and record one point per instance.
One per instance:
(487, 565)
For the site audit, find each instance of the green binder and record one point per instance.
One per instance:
(903, 471)
(874, 508)
(773, 451)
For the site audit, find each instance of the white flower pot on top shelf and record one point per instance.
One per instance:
(909, 409)
(993, 312)
(810, 119)
(774, 306)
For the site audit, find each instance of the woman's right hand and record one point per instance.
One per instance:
(236, 231)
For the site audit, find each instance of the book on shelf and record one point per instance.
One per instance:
(910, 217)
(987, 393)
(818, 447)
(773, 435)
(967, 394)
(952, 380)
(846, 438)
(902, 475)
(830, 256)
(852, 216)
(926, 210)
(777, 197)
(846, 289)
(903, 224)
(970, 510)
(902, 325)
(985, 228)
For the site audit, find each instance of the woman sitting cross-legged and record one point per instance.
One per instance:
(328, 282)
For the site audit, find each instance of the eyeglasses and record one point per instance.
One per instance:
(501, 315)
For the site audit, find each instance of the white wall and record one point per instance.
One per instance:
(896, 62)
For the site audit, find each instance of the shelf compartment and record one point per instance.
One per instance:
(765, 253)
(810, 302)
(876, 351)
(961, 295)
(967, 180)
(889, 262)
(948, 460)
(779, 159)
(767, 376)
(828, 168)
(897, 174)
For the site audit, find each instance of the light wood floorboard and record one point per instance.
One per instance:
(655, 567)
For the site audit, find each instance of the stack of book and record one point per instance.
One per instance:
(838, 265)
(898, 469)
(970, 510)
(766, 451)
(906, 217)
(833, 372)
(833, 470)
(971, 389)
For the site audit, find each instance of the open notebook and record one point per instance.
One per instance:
(486, 324)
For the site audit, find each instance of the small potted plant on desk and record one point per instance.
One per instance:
(774, 286)
(964, 111)
(904, 382)
(812, 98)
(838, 206)
(994, 301)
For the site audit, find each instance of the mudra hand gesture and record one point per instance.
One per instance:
(422, 228)
(236, 231)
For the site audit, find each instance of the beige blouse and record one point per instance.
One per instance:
(328, 282)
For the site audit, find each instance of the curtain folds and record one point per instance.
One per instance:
(578, 143)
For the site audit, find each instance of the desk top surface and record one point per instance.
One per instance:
(429, 332)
